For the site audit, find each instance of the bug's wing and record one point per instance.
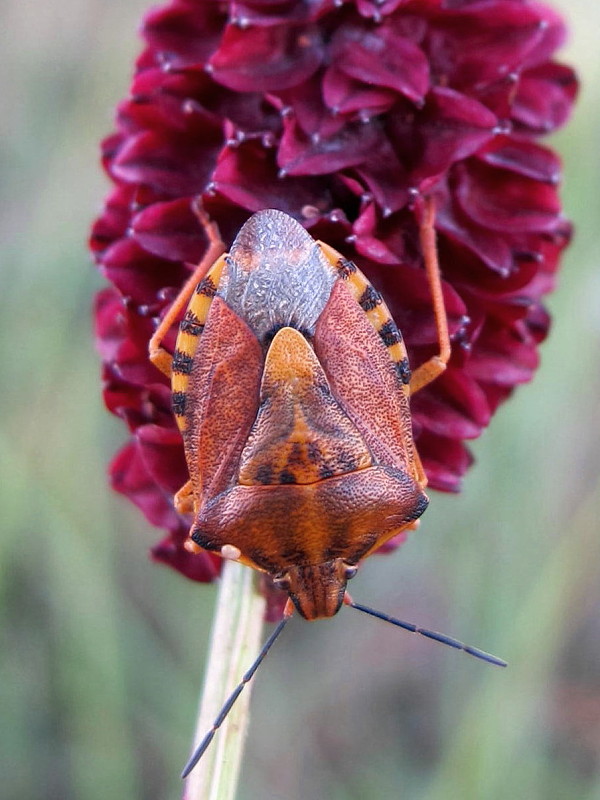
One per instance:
(221, 400)
(308, 490)
(364, 381)
(372, 303)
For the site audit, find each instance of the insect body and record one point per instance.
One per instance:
(291, 390)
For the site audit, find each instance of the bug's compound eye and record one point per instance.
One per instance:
(350, 571)
(282, 582)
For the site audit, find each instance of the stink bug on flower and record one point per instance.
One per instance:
(291, 390)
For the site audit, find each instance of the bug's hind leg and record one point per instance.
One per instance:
(158, 355)
(434, 367)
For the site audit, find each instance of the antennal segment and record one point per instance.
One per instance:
(200, 750)
(438, 637)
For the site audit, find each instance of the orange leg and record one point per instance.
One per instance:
(184, 499)
(288, 608)
(158, 355)
(430, 370)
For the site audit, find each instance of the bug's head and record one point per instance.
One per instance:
(317, 590)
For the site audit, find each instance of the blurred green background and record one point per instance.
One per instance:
(103, 652)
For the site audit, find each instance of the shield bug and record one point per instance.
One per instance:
(291, 389)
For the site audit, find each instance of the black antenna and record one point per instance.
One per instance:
(199, 751)
(438, 637)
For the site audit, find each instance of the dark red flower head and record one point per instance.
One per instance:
(341, 114)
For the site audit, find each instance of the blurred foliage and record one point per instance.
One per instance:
(103, 652)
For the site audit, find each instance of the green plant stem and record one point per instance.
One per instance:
(235, 643)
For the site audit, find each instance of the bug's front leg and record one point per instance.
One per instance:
(434, 367)
(158, 355)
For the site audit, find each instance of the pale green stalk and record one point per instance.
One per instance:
(235, 643)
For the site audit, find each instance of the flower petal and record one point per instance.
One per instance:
(248, 176)
(300, 154)
(266, 58)
(170, 230)
(449, 128)
(504, 201)
(545, 97)
(130, 476)
(139, 276)
(184, 33)
(175, 164)
(523, 157)
(382, 57)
